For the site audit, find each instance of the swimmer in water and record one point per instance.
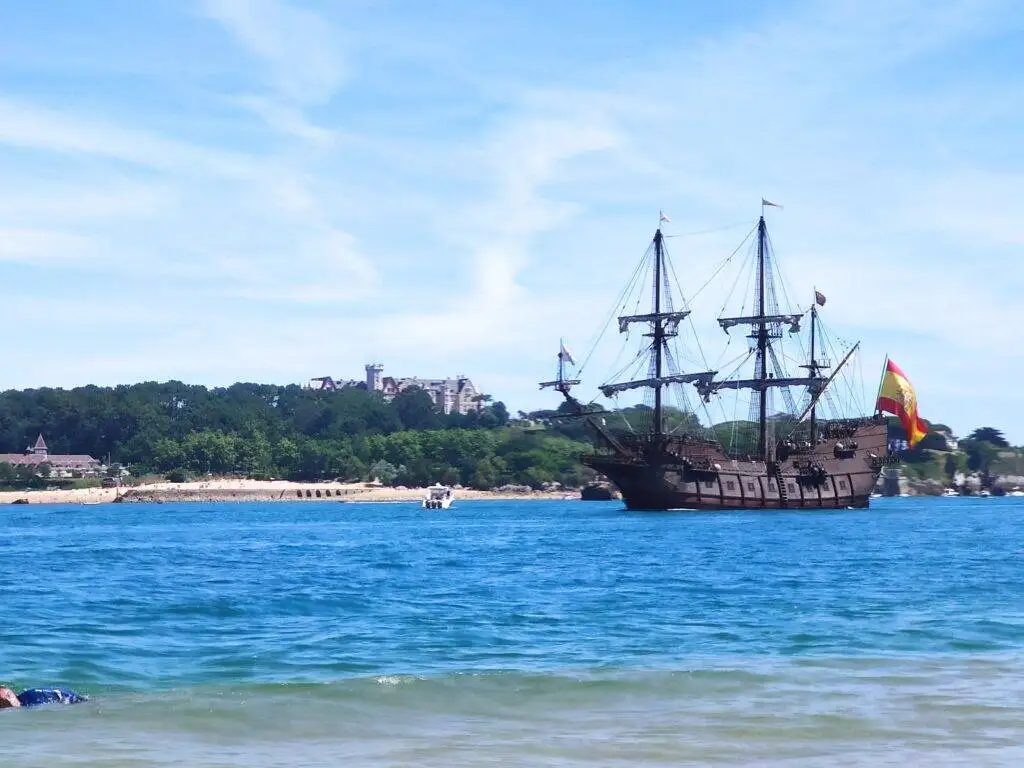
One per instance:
(33, 697)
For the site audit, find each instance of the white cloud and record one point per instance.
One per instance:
(61, 131)
(304, 51)
(230, 223)
(495, 234)
(978, 208)
(286, 119)
(36, 246)
(322, 267)
(42, 202)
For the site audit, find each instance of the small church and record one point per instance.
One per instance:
(61, 464)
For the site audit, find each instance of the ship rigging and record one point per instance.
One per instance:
(672, 458)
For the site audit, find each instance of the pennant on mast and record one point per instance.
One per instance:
(565, 354)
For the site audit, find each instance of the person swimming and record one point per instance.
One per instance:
(34, 697)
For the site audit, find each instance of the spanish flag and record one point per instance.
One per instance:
(897, 397)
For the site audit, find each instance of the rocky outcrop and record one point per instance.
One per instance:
(514, 489)
(599, 492)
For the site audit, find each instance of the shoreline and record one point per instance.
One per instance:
(259, 491)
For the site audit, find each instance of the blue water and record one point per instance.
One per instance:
(533, 632)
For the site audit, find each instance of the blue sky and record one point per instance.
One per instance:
(262, 190)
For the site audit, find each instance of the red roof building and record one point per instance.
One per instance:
(61, 464)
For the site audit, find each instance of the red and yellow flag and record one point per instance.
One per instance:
(897, 397)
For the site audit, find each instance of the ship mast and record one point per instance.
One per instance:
(812, 373)
(565, 385)
(658, 334)
(663, 322)
(761, 365)
(561, 383)
(766, 324)
(814, 370)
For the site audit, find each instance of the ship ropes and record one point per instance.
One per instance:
(733, 394)
(778, 378)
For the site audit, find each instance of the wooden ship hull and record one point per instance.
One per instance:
(831, 475)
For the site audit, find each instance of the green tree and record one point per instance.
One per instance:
(210, 451)
(314, 460)
(950, 466)
(980, 456)
(254, 454)
(485, 476)
(286, 457)
(177, 475)
(27, 477)
(8, 477)
(167, 454)
(989, 435)
(416, 409)
(343, 463)
(493, 416)
(383, 471)
(404, 448)
(932, 441)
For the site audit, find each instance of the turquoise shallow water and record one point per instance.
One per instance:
(520, 633)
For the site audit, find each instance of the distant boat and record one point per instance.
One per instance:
(1016, 491)
(984, 492)
(950, 492)
(438, 497)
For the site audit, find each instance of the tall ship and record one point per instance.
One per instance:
(789, 442)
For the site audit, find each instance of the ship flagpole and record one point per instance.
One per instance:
(881, 382)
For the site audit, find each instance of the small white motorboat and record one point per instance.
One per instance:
(438, 497)
(950, 492)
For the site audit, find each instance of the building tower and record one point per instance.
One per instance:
(374, 375)
(39, 449)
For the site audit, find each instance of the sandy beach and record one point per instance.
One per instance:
(255, 490)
